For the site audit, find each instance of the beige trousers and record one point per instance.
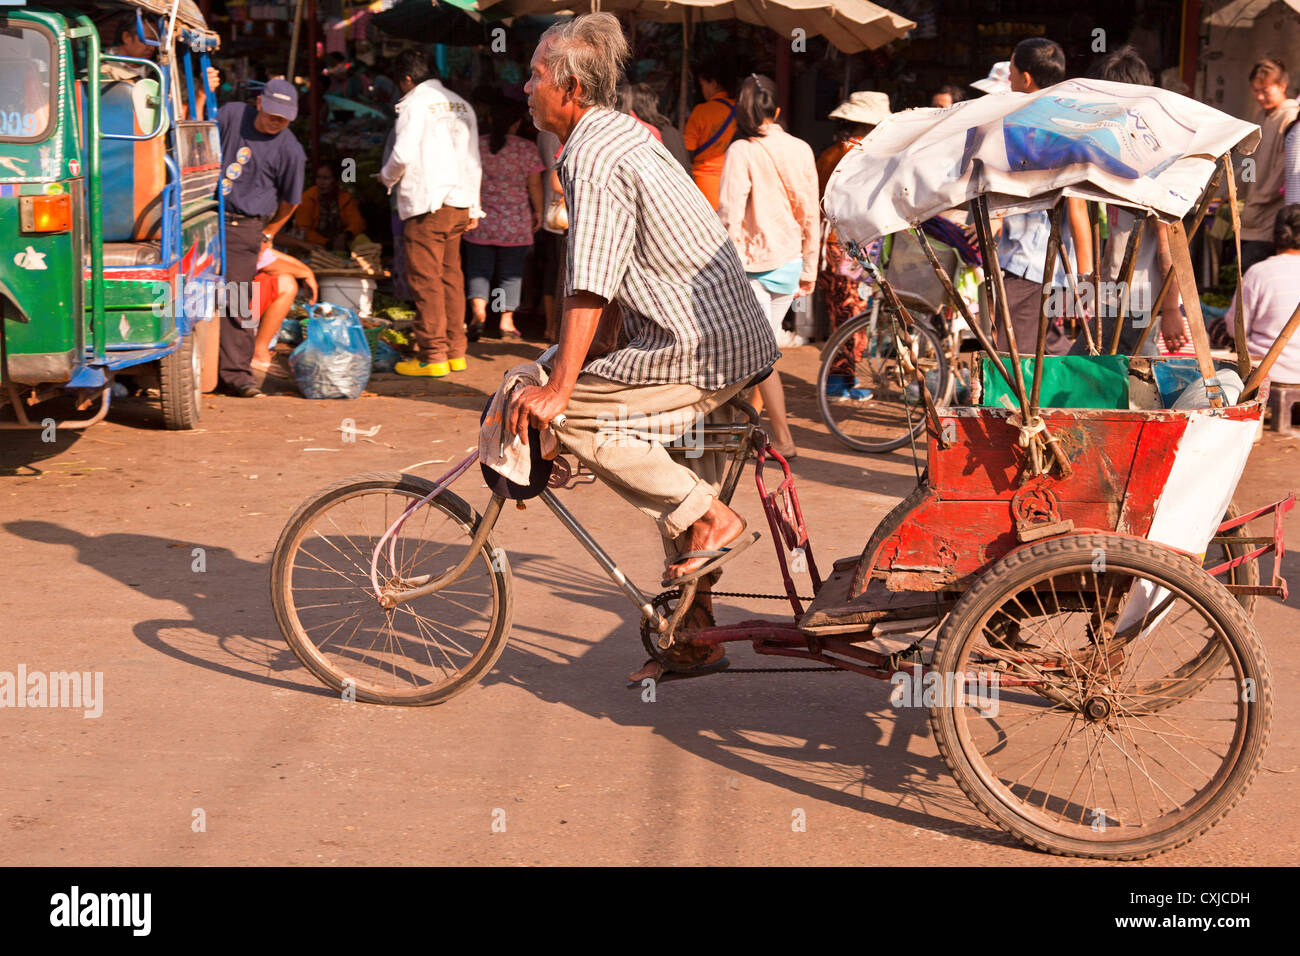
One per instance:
(618, 431)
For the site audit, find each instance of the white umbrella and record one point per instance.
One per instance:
(849, 25)
(1244, 13)
(1111, 142)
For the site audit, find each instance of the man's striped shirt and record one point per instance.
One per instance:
(642, 233)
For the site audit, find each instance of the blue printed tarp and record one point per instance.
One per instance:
(1115, 142)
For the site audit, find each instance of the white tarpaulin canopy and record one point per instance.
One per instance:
(1114, 142)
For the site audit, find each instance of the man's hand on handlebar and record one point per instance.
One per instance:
(534, 406)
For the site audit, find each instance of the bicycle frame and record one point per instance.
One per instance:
(738, 440)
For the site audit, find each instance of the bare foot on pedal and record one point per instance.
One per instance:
(716, 529)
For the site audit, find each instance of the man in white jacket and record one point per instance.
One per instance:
(435, 168)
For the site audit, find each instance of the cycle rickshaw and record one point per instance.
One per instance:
(1096, 685)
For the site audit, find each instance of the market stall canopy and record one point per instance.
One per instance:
(454, 22)
(849, 25)
(1112, 142)
(1244, 13)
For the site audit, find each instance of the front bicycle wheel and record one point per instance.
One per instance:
(421, 652)
(864, 355)
(1050, 671)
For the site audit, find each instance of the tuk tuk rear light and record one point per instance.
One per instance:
(45, 213)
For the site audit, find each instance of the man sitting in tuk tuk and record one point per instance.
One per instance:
(133, 35)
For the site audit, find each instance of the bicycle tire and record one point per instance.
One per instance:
(895, 413)
(1010, 804)
(349, 669)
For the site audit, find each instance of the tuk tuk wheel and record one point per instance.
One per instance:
(180, 383)
(1049, 670)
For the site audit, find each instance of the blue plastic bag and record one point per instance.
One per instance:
(290, 332)
(334, 360)
(386, 358)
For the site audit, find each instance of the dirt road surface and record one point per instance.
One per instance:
(215, 746)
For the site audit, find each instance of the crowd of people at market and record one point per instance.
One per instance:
(476, 199)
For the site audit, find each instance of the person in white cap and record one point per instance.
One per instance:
(841, 279)
(998, 80)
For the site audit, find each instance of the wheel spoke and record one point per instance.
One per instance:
(1140, 725)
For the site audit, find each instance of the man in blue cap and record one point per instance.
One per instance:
(261, 178)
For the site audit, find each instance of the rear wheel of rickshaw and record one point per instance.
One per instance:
(1049, 670)
(1202, 662)
(895, 411)
(180, 385)
(421, 652)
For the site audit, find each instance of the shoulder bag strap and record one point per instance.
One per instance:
(716, 136)
(789, 196)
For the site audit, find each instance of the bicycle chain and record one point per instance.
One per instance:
(765, 597)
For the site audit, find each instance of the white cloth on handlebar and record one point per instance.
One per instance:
(506, 454)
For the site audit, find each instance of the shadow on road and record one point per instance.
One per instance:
(830, 736)
(826, 736)
(230, 628)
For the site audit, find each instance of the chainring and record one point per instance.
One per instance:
(698, 617)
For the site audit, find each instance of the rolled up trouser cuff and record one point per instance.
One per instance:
(691, 510)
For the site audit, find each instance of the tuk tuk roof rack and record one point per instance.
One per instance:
(191, 28)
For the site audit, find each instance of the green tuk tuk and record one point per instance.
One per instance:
(111, 238)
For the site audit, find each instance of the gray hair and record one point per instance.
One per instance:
(590, 49)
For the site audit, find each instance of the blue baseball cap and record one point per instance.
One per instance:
(280, 98)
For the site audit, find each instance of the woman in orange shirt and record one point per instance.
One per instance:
(710, 127)
(328, 216)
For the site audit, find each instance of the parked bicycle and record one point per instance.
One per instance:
(866, 390)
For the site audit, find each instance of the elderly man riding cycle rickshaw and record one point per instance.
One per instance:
(1060, 585)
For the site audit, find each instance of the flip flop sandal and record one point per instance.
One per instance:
(717, 556)
(696, 661)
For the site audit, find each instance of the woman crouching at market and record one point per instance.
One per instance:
(328, 217)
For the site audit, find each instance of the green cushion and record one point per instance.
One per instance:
(1069, 381)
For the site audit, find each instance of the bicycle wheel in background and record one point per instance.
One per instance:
(421, 652)
(894, 412)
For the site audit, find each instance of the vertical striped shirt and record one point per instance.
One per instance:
(642, 234)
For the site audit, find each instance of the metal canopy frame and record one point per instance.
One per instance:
(1043, 449)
